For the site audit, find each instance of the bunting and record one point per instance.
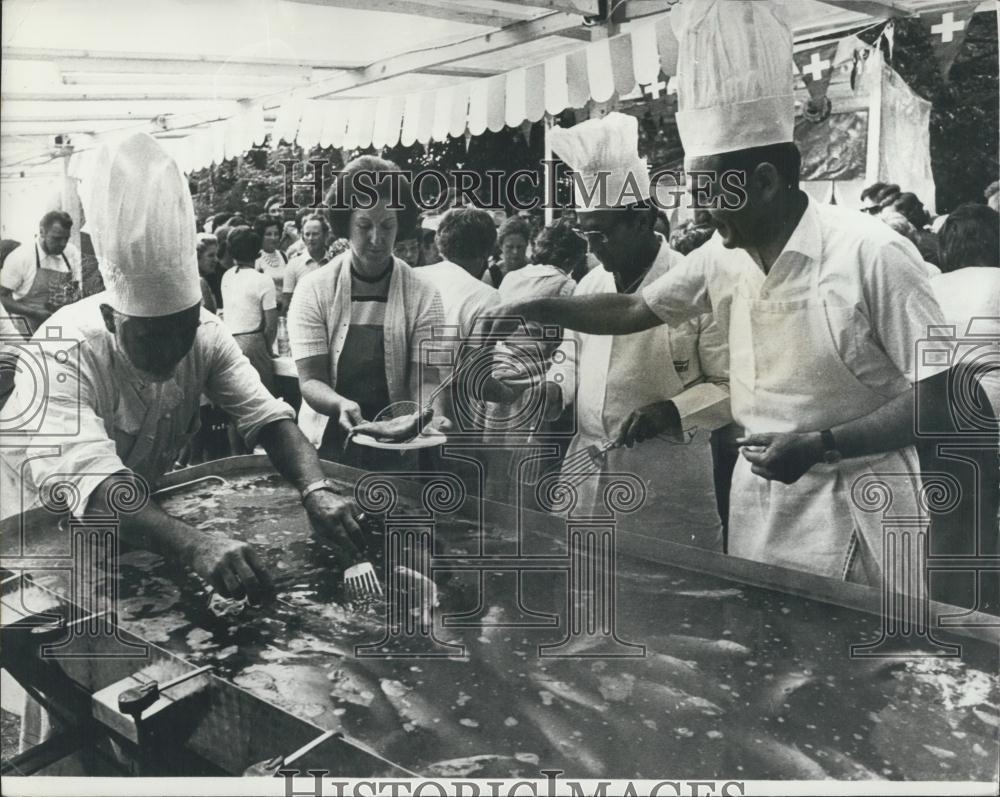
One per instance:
(816, 68)
(947, 30)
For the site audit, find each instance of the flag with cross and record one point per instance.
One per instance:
(816, 68)
(947, 30)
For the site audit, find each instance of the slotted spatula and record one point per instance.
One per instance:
(360, 579)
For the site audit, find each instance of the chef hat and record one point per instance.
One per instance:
(734, 76)
(604, 146)
(141, 221)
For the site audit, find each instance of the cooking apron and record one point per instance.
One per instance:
(49, 286)
(618, 375)
(787, 375)
(254, 346)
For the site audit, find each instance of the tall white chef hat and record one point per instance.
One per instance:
(608, 146)
(141, 221)
(734, 76)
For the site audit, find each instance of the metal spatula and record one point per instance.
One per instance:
(360, 580)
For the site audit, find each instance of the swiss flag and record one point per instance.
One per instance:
(947, 30)
(816, 68)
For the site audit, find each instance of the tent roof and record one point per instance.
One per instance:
(174, 66)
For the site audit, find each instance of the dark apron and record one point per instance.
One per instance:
(49, 289)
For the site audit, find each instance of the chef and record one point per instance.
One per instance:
(823, 309)
(667, 386)
(37, 280)
(127, 367)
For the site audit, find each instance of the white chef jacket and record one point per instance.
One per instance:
(609, 377)
(866, 289)
(100, 418)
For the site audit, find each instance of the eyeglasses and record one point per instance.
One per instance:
(592, 237)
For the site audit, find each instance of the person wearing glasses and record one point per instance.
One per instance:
(824, 311)
(667, 387)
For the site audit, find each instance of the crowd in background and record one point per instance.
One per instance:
(275, 279)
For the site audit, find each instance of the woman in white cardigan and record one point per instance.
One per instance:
(361, 326)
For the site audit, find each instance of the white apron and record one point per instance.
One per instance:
(787, 375)
(617, 375)
(680, 493)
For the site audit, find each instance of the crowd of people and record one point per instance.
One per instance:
(750, 366)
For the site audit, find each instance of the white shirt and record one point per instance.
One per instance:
(463, 296)
(246, 294)
(970, 301)
(687, 363)
(18, 275)
(274, 266)
(298, 267)
(534, 281)
(872, 280)
(19, 268)
(100, 417)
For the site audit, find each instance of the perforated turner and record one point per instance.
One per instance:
(360, 580)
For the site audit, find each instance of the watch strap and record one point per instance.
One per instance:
(316, 486)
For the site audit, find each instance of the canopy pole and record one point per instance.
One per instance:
(547, 163)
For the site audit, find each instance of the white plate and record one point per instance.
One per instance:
(426, 439)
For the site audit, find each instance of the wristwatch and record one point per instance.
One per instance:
(314, 487)
(830, 453)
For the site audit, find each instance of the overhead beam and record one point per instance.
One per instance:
(414, 60)
(883, 9)
(447, 70)
(587, 8)
(103, 94)
(434, 9)
(119, 79)
(171, 63)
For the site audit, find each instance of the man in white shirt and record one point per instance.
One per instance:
(36, 280)
(315, 235)
(465, 238)
(126, 368)
(823, 310)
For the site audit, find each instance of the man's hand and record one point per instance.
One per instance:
(332, 520)
(349, 415)
(650, 421)
(782, 457)
(230, 566)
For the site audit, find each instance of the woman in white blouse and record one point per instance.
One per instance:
(358, 325)
(272, 261)
(251, 313)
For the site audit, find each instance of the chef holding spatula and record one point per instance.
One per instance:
(667, 387)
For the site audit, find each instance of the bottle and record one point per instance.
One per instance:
(281, 339)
